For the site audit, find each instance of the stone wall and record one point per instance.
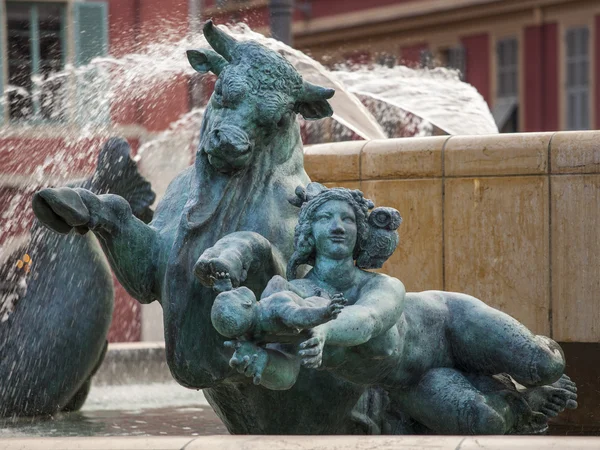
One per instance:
(512, 219)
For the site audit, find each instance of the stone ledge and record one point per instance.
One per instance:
(575, 152)
(306, 442)
(402, 158)
(334, 162)
(502, 154)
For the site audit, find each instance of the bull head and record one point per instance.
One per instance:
(256, 97)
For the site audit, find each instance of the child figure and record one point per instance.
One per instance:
(237, 313)
(280, 316)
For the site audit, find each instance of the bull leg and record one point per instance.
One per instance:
(240, 257)
(131, 246)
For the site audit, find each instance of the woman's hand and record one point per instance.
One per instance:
(311, 350)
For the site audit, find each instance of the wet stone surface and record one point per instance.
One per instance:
(139, 410)
(159, 409)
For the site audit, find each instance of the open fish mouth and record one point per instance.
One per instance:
(53, 206)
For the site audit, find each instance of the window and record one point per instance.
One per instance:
(93, 83)
(507, 54)
(426, 59)
(577, 86)
(454, 58)
(386, 60)
(36, 50)
(36, 45)
(505, 109)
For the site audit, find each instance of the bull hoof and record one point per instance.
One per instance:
(61, 210)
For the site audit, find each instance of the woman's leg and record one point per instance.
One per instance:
(447, 402)
(487, 341)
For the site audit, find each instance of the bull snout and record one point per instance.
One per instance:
(228, 148)
(228, 143)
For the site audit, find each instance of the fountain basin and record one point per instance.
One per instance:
(530, 203)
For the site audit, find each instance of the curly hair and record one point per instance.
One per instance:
(304, 242)
(270, 71)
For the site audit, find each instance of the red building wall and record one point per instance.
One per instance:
(360, 58)
(134, 24)
(477, 54)
(410, 55)
(322, 8)
(122, 31)
(257, 17)
(541, 88)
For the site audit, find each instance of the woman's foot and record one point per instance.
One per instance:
(554, 398)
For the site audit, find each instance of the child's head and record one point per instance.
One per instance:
(232, 313)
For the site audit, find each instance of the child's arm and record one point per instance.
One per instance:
(304, 317)
(266, 366)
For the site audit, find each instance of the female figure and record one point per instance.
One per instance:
(442, 357)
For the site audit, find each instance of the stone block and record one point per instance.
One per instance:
(344, 184)
(576, 257)
(575, 152)
(417, 262)
(325, 442)
(496, 244)
(333, 162)
(98, 443)
(528, 443)
(502, 154)
(403, 158)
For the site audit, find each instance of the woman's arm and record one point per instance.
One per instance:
(379, 307)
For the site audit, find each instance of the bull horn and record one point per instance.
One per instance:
(312, 92)
(223, 44)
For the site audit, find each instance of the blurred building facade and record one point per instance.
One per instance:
(534, 61)
(40, 123)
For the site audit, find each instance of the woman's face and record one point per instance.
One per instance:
(334, 229)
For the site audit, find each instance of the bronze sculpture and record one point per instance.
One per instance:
(229, 221)
(444, 358)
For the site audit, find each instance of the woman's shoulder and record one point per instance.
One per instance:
(372, 281)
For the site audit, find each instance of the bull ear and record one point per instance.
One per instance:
(204, 60)
(312, 102)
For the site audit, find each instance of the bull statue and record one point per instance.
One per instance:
(56, 308)
(248, 163)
